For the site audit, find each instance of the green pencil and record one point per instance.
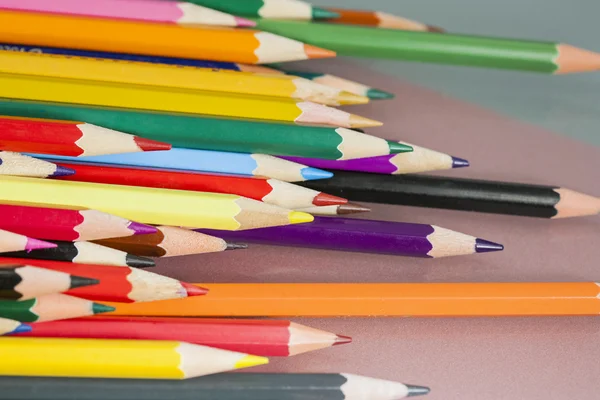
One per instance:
(232, 135)
(49, 308)
(278, 9)
(475, 51)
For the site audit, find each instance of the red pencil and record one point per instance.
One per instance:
(68, 138)
(270, 191)
(68, 225)
(262, 338)
(118, 284)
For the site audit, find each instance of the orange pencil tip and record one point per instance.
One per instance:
(193, 290)
(317, 52)
(151, 145)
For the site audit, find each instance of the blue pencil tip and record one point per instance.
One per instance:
(23, 328)
(459, 162)
(485, 246)
(312, 174)
(62, 171)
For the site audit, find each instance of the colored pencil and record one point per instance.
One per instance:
(24, 282)
(170, 241)
(474, 51)
(193, 79)
(367, 236)
(189, 62)
(10, 241)
(181, 13)
(118, 284)
(420, 159)
(28, 87)
(344, 84)
(278, 9)
(342, 209)
(380, 299)
(120, 36)
(84, 253)
(207, 161)
(102, 358)
(68, 225)
(262, 338)
(8, 326)
(379, 19)
(150, 205)
(20, 165)
(49, 308)
(270, 191)
(220, 134)
(464, 194)
(68, 138)
(243, 386)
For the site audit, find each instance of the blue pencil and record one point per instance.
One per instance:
(139, 58)
(207, 161)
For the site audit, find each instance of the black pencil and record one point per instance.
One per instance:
(460, 194)
(212, 387)
(85, 253)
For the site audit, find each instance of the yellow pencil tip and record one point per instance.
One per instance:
(251, 361)
(348, 98)
(357, 121)
(298, 217)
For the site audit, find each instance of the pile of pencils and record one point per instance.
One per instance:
(132, 130)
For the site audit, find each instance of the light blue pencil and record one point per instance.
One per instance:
(206, 161)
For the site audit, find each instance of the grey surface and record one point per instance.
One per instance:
(568, 105)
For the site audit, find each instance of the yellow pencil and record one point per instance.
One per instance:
(202, 79)
(110, 358)
(29, 87)
(150, 205)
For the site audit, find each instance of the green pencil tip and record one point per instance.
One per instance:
(322, 13)
(396, 147)
(98, 308)
(377, 94)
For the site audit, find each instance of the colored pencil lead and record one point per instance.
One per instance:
(236, 246)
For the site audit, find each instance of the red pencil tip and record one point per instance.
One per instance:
(151, 145)
(193, 290)
(324, 199)
(341, 339)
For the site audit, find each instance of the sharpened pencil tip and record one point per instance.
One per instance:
(244, 23)
(35, 244)
(22, 328)
(324, 199)
(317, 52)
(251, 361)
(417, 390)
(459, 162)
(139, 262)
(236, 246)
(356, 121)
(299, 217)
(435, 29)
(151, 145)
(352, 208)
(376, 94)
(193, 290)
(141, 229)
(312, 174)
(399, 147)
(62, 171)
(485, 246)
(341, 339)
(80, 281)
(322, 13)
(347, 98)
(98, 308)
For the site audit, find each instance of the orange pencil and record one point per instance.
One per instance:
(380, 20)
(134, 37)
(379, 300)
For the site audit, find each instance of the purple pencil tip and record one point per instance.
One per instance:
(485, 246)
(62, 171)
(244, 23)
(141, 229)
(459, 162)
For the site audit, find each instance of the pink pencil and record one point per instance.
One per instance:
(14, 242)
(145, 10)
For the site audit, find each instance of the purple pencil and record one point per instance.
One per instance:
(419, 160)
(366, 236)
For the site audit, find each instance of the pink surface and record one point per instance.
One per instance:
(485, 358)
(146, 10)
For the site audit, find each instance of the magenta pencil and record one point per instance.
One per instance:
(10, 241)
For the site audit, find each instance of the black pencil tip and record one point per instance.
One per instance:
(236, 246)
(80, 281)
(139, 262)
(417, 390)
(485, 246)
